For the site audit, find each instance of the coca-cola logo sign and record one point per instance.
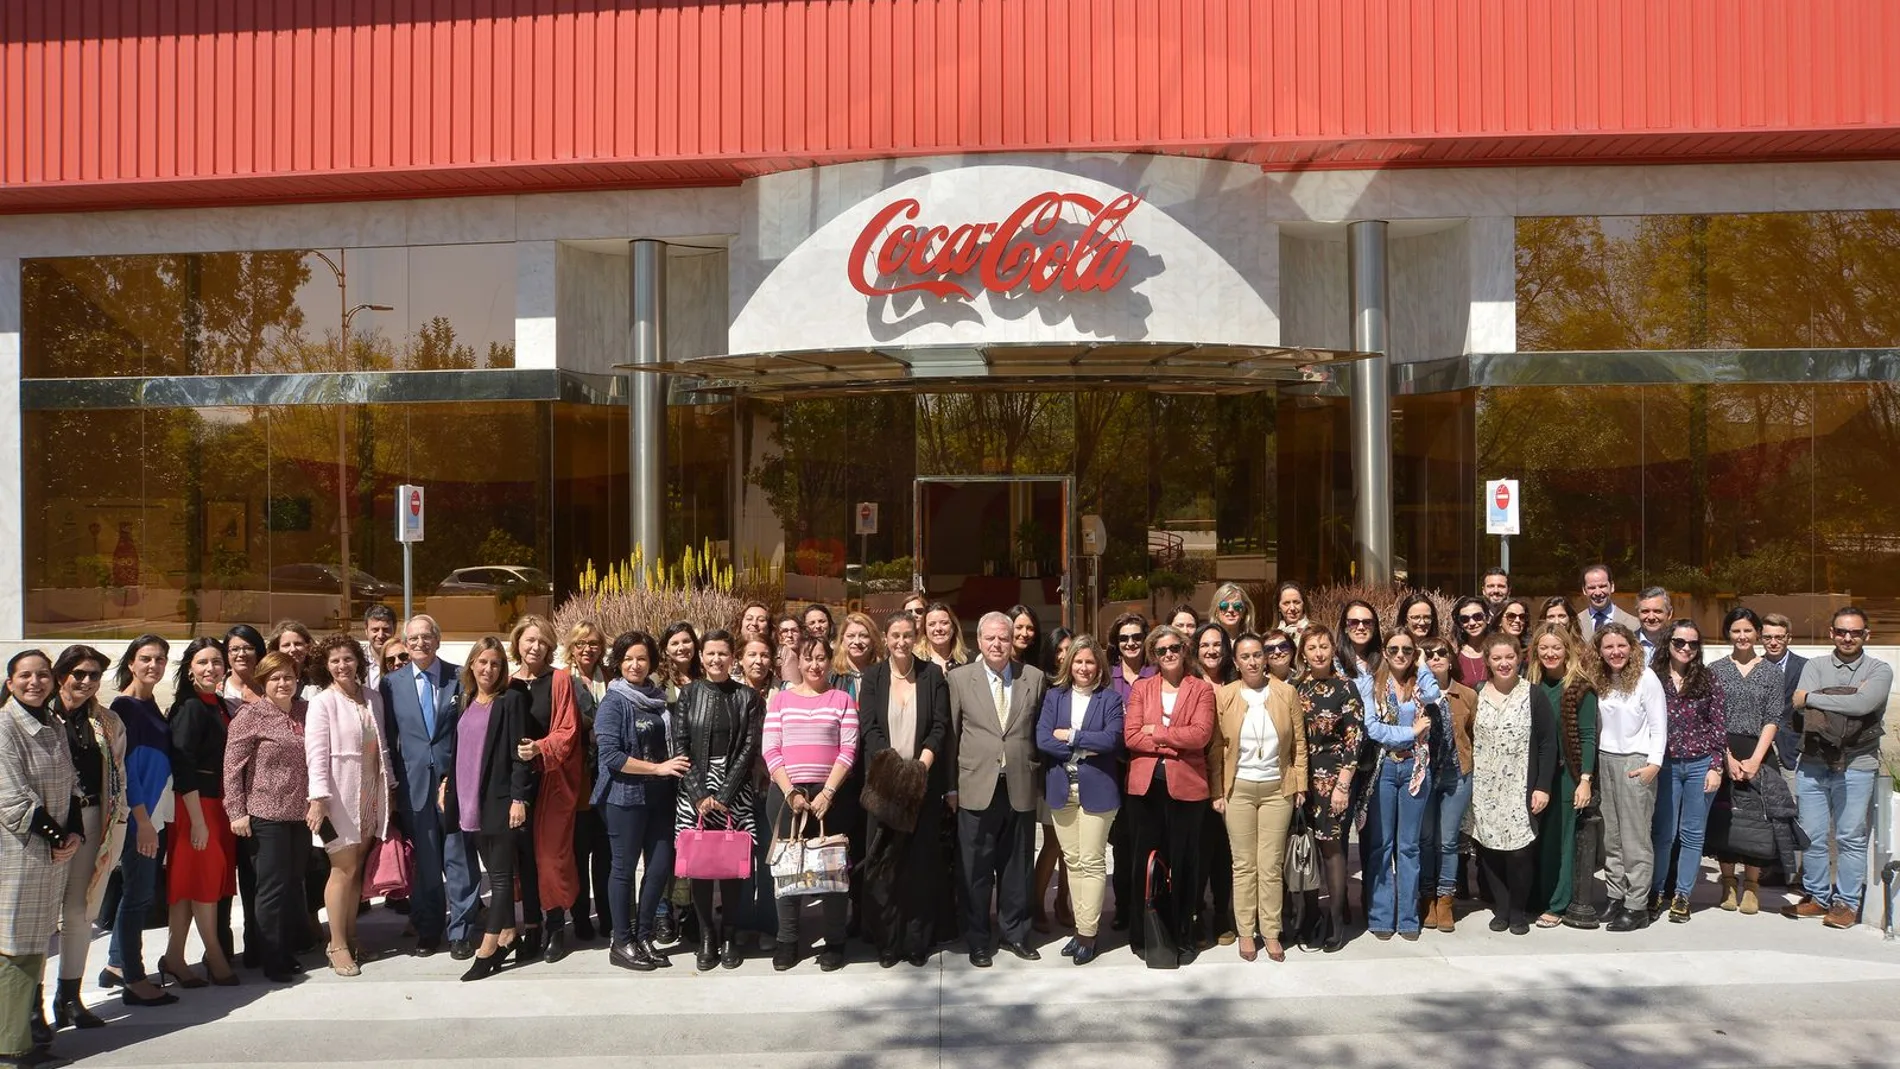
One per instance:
(1028, 250)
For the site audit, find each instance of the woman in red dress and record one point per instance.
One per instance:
(203, 851)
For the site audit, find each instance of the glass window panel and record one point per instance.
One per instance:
(1856, 513)
(699, 475)
(1776, 280)
(1314, 489)
(1435, 490)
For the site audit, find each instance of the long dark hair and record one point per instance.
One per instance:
(182, 688)
(1032, 655)
(1417, 598)
(123, 675)
(13, 662)
(1226, 668)
(1346, 646)
(665, 668)
(1696, 681)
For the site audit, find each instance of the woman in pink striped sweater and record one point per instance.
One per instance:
(810, 744)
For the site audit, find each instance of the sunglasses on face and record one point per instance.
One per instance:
(1357, 623)
(1847, 632)
(1438, 654)
(1470, 617)
(1516, 615)
(1399, 651)
(1170, 650)
(1278, 649)
(1129, 640)
(1685, 644)
(86, 675)
(1230, 606)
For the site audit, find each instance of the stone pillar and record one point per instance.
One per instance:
(1371, 402)
(646, 413)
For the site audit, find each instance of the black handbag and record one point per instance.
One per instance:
(1160, 949)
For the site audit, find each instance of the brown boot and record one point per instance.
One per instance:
(1444, 913)
(1751, 896)
(1729, 900)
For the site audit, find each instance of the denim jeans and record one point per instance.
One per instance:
(1444, 815)
(139, 877)
(1837, 803)
(636, 834)
(1682, 817)
(1394, 820)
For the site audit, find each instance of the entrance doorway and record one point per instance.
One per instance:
(987, 542)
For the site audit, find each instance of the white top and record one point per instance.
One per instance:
(1167, 707)
(1078, 708)
(1259, 740)
(1636, 722)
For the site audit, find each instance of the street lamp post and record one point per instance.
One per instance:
(348, 313)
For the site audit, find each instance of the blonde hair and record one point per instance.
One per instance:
(1576, 670)
(1078, 643)
(959, 652)
(840, 657)
(521, 628)
(1230, 591)
(582, 629)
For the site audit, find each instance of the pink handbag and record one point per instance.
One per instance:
(700, 853)
(390, 868)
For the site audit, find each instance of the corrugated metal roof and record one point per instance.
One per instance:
(124, 102)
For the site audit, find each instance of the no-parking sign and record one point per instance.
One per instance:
(1501, 512)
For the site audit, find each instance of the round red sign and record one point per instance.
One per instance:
(1504, 495)
(415, 502)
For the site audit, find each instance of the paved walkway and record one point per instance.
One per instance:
(1724, 990)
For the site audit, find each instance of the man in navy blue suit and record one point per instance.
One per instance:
(421, 701)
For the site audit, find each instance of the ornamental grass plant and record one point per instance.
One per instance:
(641, 595)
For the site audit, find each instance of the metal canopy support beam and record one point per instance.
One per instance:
(646, 414)
(1371, 402)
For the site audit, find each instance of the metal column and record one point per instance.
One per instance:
(646, 411)
(1371, 403)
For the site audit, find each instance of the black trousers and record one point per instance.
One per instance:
(247, 894)
(836, 907)
(994, 847)
(498, 852)
(1510, 874)
(1217, 875)
(1172, 827)
(276, 917)
(902, 872)
(593, 864)
(530, 879)
(1122, 876)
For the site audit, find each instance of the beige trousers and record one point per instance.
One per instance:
(1258, 817)
(1083, 837)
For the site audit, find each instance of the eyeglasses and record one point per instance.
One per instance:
(236, 648)
(1230, 606)
(1399, 651)
(1848, 632)
(1173, 649)
(1470, 617)
(86, 675)
(1128, 640)
(1685, 644)
(1358, 622)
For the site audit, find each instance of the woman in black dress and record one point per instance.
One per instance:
(1335, 732)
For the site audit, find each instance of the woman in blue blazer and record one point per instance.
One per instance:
(1080, 731)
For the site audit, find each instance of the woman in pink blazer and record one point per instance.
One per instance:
(1168, 726)
(350, 783)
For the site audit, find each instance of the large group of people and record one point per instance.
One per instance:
(540, 785)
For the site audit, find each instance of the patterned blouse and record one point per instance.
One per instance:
(1753, 701)
(1698, 727)
(266, 772)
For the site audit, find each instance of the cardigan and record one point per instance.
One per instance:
(1182, 744)
(198, 733)
(148, 758)
(1099, 736)
(625, 730)
(505, 778)
(933, 717)
(1289, 724)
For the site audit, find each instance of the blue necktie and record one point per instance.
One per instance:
(428, 704)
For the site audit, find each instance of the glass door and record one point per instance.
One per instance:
(988, 542)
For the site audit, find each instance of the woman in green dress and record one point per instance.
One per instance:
(1558, 667)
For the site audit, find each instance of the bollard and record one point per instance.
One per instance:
(1583, 912)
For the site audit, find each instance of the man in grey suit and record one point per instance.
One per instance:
(1598, 609)
(420, 699)
(994, 703)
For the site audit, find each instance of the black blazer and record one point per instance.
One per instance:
(1545, 745)
(505, 778)
(933, 717)
(198, 733)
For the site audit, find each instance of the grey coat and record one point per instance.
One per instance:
(36, 773)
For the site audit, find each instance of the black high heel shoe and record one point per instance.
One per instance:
(482, 968)
(109, 979)
(132, 998)
(68, 1010)
(186, 978)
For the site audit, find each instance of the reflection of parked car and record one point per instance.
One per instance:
(365, 589)
(494, 579)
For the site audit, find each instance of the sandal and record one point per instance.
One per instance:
(349, 966)
(1549, 921)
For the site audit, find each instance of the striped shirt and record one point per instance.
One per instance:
(807, 736)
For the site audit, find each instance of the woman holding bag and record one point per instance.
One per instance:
(635, 793)
(1080, 732)
(810, 743)
(904, 709)
(716, 728)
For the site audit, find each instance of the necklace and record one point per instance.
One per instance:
(909, 676)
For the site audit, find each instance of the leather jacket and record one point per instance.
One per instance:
(693, 726)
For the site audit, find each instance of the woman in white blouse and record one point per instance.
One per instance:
(1258, 760)
(1632, 730)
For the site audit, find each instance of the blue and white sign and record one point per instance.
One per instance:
(1501, 513)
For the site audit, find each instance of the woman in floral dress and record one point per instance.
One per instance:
(1335, 730)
